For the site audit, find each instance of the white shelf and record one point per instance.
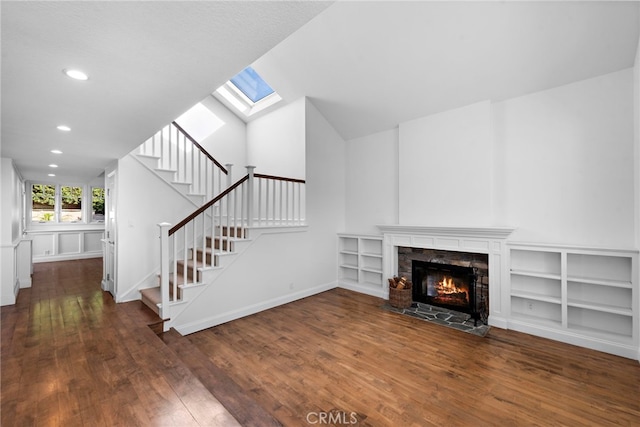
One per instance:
(536, 297)
(601, 282)
(535, 274)
(360, 260)
(622, 311)
(585, 295)
(349, 252)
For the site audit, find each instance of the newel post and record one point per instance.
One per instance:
(164, 269)
(250, 200)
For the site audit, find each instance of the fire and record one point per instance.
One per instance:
(446, 286)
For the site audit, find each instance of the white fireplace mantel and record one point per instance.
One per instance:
(492, 233)
(486, 240)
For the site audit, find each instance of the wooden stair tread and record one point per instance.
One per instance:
(152, 294)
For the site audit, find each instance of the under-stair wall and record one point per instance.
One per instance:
(144, 200)
(275, 268)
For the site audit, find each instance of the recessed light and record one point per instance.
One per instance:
(56, 151)
(64, 128)
(75, 74)
(53, 165)
(51, 174)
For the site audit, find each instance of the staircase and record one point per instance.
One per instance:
(191, 272)
(198, 248)
(176, 158)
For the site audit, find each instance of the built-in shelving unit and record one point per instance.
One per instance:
(587, 296)
(360, 262)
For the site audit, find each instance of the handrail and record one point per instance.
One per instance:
(207, 205)
(199, 147)
(279, 178)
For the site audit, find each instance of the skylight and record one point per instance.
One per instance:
(252, 85)
(247, 94)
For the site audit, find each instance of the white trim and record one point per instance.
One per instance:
(481, 232)
(67, 257)
(240, 104)
(619, 349)
(364, 289)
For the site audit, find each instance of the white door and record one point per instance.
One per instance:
(109, 281)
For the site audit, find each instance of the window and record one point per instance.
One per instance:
(43, 199)
(71, 198)
(252, 85)
(247, 93)
(97, 206)
(64, 204)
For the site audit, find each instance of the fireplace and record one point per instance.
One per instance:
(451, 280)
(483, 248)
(444, 285)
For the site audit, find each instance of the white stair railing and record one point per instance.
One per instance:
(178, 152)
(197, 242)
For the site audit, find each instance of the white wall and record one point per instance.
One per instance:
(10, 229)
(568, 162)
(144, 200)
(275, 142)
(445, 168)
(636, 120)
(228, 144)
(371, 182)
(558, 165)
(66, 243)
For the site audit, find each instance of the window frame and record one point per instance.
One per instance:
(86, 205)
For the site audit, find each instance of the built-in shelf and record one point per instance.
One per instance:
(360, 260)
(588, 295)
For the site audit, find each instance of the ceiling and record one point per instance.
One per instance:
(148, 62)
(367, 66)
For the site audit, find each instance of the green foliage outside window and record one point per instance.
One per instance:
(43, 201)
(98, 201)
(43, 195)
(97, 204)
(71, 197)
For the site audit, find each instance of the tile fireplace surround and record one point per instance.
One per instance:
(484, 240)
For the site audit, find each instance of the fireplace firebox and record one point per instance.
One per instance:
(444, 285)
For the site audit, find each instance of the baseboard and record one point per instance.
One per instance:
(219, 319)
(25, 283)
(629, 351)
(67, 257)
(498, 322)
(364, 289)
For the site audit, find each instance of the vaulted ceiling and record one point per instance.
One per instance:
(367, 66)
(148, 62)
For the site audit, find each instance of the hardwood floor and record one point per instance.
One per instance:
(339, 353)
(71, 356)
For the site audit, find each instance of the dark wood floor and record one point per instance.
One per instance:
(339, 353)
(70, 356)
